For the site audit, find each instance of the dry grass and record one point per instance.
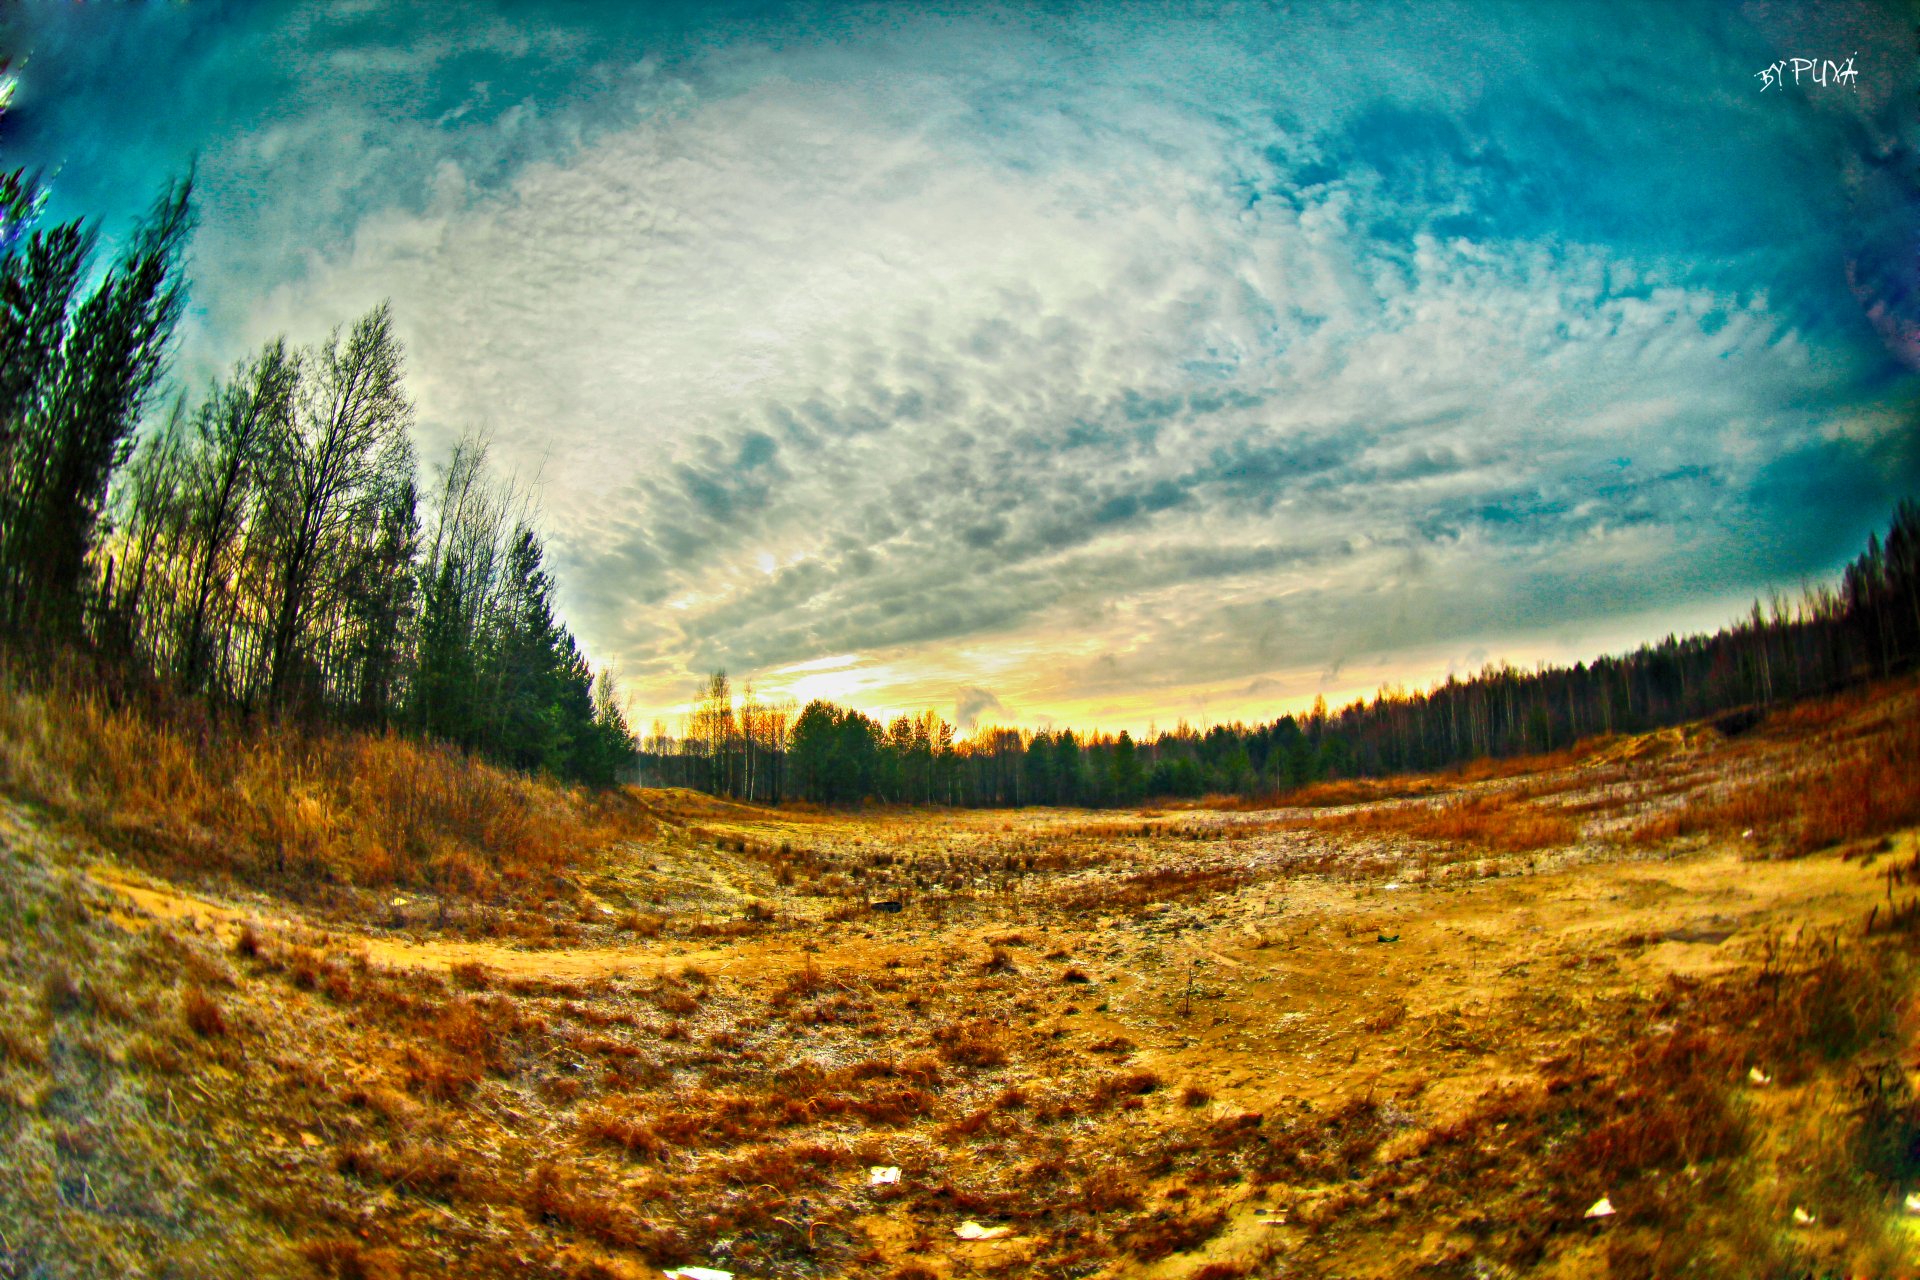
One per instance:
(203, 1013)
(1165, 884)
(1863, 787)
(1496, 820)
(1652, 1118)
(1659, 1125)
(723, 1109)
(274, 806)
(1317, 795)
(976, 1043)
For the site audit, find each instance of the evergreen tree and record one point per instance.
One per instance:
(76, 379)
(383, 600)
(1128, 778)
(536, 707)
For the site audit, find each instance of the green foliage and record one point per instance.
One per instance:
(836, 754)
(497, 672)
(75, 376)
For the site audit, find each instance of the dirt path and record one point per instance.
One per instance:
(149, 899)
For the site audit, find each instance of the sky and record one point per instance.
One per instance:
(1071, 364)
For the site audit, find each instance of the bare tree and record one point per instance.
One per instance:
(244, 422)
(351, 421)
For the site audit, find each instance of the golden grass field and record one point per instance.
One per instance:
(352, 1007)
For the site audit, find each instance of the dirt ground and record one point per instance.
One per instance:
(1264, 995)
(1207, 1042)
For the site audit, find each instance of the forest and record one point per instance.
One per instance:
(1866, 626)
(266, 547)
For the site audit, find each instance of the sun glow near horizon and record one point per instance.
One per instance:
(948, 684)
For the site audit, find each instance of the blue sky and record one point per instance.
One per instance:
(1072, 363)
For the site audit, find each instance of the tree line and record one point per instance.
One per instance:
(1867, 625)
(267, 546)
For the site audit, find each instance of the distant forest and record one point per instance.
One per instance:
(1866, 627)
(267, 547)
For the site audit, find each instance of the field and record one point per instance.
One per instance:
(1416, 1028)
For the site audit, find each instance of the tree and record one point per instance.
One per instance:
(1066, 768)
(147, 505)
(534, 665)
(350, 441)
(1128, 779)
(753, 755)
(242, 424)
(267, 548)
(382, 599)
(811, 757)
(715, 731)
(835, 754)
(37, 287)
(75, 384)
(608, 750)
(459, 584)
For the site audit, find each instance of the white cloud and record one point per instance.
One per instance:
(813, 362)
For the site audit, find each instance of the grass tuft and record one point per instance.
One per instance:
(204, 1016)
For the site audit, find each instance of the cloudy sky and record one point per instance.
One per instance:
(1086, 364)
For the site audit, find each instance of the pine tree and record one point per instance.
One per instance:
(77, 380)
(533, 665)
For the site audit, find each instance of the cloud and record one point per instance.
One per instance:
(970, 704)
(1117, 357)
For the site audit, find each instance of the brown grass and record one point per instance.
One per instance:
(1121, 1087)
(286, 808)
(490, 1121)
(1165, 884)
(1168, 1232)
(1319, 795)
(1497, 821)
(348, 1259)
(977, 1043)
(203, 1013)
(425, 1168)
(1866, 787)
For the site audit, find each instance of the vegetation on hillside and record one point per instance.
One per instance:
(318, 814)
